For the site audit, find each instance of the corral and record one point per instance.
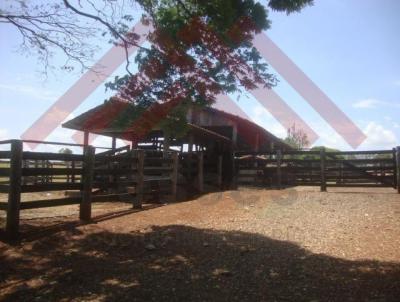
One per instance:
(227, 211)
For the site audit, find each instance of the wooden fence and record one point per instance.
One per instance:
(123, 173)
(320, 168)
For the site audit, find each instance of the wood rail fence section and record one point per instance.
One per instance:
(138, 175)
(121, 174)
(320, 168)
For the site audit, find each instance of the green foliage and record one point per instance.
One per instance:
(233, 22)
(65, 151)
(296, 138)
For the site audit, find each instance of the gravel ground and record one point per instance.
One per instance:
(251, 244)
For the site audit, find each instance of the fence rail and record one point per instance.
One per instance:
(379, 168)
(114, 174)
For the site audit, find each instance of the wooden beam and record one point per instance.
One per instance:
(219, 171)
(200, 172)
(14, 194)
(86, 138)
(85, 209)
(279, 168)
(323, 169)
(139, 180)
(174, 175)
(114, 143)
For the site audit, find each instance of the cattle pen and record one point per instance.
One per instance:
(132, 174)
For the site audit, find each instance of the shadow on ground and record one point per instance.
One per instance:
(179, 263)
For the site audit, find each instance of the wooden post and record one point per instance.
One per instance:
(174, 175)
(394, 169)
(219, 172)
(279, 168)
(398, 168)
(14, 193)
(85, 209)
(323, 164)
(114, 143)
(86, 138)
(200, 172)
(139, 180)
(73, 173)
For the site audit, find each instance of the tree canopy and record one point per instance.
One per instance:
(198, 48)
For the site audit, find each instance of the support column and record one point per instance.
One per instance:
(86, 138)
(323, 164)
(174, 175)
(114, 143)
(219, 172)
(140, 180)
(200, 174)
(14, 194)
(279, 168)
(85, 210)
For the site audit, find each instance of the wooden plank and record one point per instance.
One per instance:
(157, 161)
(279, 168)
(51, 171)
(360, 161)
(47, 203)
(8, 141)
(50, 187)
(219, 172)
(85, 209)
(51, 156)
(3, 206)
(323, 178)
(137, 204)
(4, 188)
(14, 195)
(200, 172)
(158, 169)
(115, 171)
(109, 197)
(174, 175)
(369, 152)
(5, 154)
(361, 185)
(5, 172)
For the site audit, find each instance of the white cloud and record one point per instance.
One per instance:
(367, 103)
(373, 103)
(378, 137)
(31, 91)
(262, 117)
(3, 134)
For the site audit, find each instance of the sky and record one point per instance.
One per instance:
(348, 48)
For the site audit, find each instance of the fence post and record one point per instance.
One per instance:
(394, 169)
(139, 180)
(14, 193)
(200, 171)
(323, 165)
(85, 209)
(398, 168)
(174, 175)
(219, 172)
(279, 168)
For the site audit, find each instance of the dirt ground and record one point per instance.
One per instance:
(247, 245)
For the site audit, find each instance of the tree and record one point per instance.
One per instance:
(199, 49)
(296, 138)
(65, 151)
(46, 27)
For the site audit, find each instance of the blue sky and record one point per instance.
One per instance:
(350, 49)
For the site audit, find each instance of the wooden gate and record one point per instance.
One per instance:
(319, 168)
